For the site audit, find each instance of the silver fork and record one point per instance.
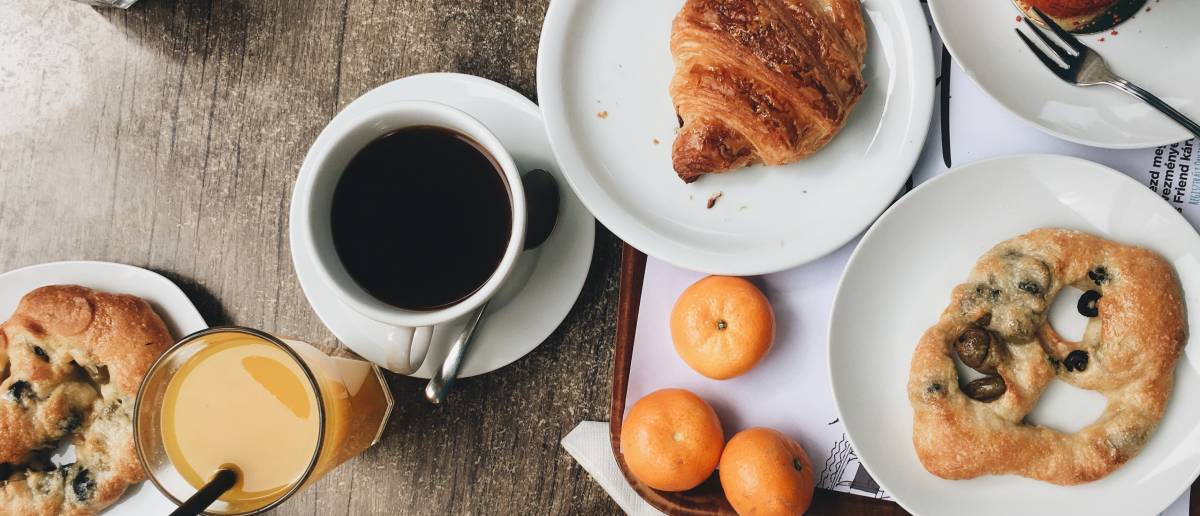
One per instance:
(1084, 67)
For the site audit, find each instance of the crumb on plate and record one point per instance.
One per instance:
(712, 201)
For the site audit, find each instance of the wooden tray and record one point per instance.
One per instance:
(708, 499)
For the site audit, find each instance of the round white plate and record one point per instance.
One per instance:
(1156, 50)
(546, 280)
(168, 301)
(899, 280)
(612, 56)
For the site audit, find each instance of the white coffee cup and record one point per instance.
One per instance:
(323, 167)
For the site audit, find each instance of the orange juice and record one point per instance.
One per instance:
(243, 402)
(247, 402)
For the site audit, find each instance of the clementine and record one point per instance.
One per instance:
(764, 472)
(722, 326)
(672, 440)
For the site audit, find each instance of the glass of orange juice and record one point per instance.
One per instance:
(279, 413)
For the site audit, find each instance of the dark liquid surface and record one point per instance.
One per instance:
(421, 218)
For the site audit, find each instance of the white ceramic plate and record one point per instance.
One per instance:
(1158, 50)
(899, 280)
(545, 282)
(612, 56)
(168, 301)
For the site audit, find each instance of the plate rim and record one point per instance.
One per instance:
(1183, 135)
(552, 95)
(173, 287)
(854, 255)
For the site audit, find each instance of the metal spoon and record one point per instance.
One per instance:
(541, 197)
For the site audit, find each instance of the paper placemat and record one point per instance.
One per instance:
(790, 390)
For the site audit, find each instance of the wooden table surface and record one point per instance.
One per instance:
(168, 136)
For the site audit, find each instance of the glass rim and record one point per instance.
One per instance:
(308, 374)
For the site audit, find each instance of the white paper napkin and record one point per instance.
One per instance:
(589, 444)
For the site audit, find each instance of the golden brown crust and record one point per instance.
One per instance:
(75, 358)
(768, 81)
(1131, 348)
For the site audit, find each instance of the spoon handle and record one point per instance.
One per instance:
(439, 385)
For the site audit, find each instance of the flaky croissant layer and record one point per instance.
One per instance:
(768, 81)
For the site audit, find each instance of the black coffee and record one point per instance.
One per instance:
(421, 217)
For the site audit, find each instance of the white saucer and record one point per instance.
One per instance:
(175, 309)
(1156, 50)
(545, 282)
(899, 279)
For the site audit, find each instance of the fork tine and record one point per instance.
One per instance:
(1062, 53)
(1046, 60)
(1062, 34)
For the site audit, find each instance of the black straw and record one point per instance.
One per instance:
(221, 482)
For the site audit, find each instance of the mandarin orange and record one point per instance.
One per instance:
(672, 440)
(722, 326)
(766, 473)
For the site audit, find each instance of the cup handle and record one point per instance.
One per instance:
(406, 358)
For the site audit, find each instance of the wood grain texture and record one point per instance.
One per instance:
(169, 137)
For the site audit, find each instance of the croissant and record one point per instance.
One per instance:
(768, 81)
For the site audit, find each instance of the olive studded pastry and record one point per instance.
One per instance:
(71, 360)
(996, 324)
